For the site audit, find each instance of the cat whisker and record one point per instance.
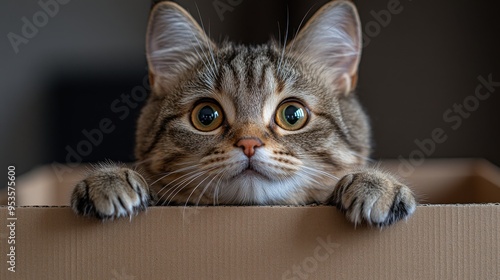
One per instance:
(206, 187)
(208, 39)
(310, 176)
(284, 41)
(186, 183)
(174, 172)
(216, 191)
(295, 36)
(313, 170)
(173, 181)
(279, 34)
(300, 25)
(195, 188)
(203, 58)
(203, 192)
(161, 176)
(173, 191)
(201, 195)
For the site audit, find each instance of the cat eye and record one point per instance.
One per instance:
(291, 115)
(207, 116)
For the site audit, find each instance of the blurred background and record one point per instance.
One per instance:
(71, 67)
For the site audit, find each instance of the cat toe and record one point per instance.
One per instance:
(108, 195)
(376, 199)
(402, 206)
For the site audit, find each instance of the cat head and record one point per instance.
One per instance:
(267, 124)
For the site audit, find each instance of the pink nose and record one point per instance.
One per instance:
(248, 145)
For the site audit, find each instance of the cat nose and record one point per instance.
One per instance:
(248, 145)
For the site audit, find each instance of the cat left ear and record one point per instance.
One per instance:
(173, 40)
(331, 40)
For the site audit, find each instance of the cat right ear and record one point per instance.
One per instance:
(331, 41)
(173, 41)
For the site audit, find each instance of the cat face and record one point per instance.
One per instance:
(267, 124)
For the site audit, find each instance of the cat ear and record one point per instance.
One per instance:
(331, 40)
(173, 41)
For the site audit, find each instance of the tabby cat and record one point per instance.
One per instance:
(229, 124)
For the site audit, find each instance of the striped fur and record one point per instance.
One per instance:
(185, 166)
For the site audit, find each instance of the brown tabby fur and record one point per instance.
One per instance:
(184, 166)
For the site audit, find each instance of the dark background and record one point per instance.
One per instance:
(413, 69)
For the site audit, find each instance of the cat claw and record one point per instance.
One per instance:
(373, 197)
(109, 194)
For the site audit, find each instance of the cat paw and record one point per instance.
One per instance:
(111, 192)
(373, 197)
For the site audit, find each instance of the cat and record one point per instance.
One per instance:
(230, 124)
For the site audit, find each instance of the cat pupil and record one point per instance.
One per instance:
(207, 115)
(293, 114)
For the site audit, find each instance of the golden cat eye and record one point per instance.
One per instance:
(207, 116)
(291, 115)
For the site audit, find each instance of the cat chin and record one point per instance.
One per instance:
(253, 188)
(251, 176)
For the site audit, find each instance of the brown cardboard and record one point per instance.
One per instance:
(440, 241)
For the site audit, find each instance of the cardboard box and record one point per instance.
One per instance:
(454, 236)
